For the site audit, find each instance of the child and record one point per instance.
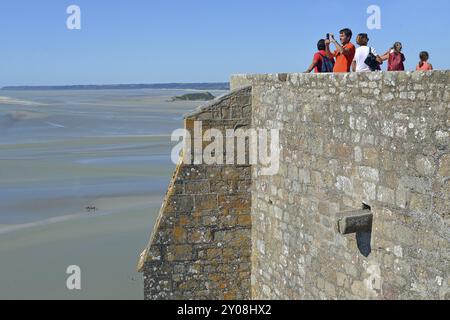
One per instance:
(395, 58)
(423, 64)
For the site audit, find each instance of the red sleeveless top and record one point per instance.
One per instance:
(395, 62)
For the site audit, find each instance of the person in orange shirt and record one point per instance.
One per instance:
(344, 53)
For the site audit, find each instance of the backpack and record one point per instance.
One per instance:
(371, 61)
(327, 64)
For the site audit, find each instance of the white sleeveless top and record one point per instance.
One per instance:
(361, 56)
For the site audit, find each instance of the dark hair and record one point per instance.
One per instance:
(362, 36)
(397, 43)
(423, 57)
(321, 44)
(348, 33)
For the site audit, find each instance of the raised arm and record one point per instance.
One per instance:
(339, 48)
(327, 49)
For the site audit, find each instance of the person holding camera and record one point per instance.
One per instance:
(344, 53)
(366, 58)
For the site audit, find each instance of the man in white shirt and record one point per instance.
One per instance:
(359, 61)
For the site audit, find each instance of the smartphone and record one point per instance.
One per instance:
(328, 36)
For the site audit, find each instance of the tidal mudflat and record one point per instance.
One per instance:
(82, 177)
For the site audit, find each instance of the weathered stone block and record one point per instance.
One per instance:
(200, 236)
(344, 151)
(420, 203)
(179, 252)
(444, 166)
(206, 202)
(386, 195)
(371, 174)
(180, 203)
(245, 220)
(371, 157)
(354, 221)
(197, 187)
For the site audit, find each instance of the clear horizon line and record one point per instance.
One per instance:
(117, 85)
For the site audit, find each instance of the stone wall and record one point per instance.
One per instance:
(378, 140)
(200, 247)
(373, 141)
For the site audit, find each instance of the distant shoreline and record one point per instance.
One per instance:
(192, 86)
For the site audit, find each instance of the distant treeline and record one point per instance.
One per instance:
(192, 86)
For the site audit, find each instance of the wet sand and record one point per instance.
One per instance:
(62, 153)
(105, 246)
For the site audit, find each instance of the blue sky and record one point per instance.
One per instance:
(148, 41)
